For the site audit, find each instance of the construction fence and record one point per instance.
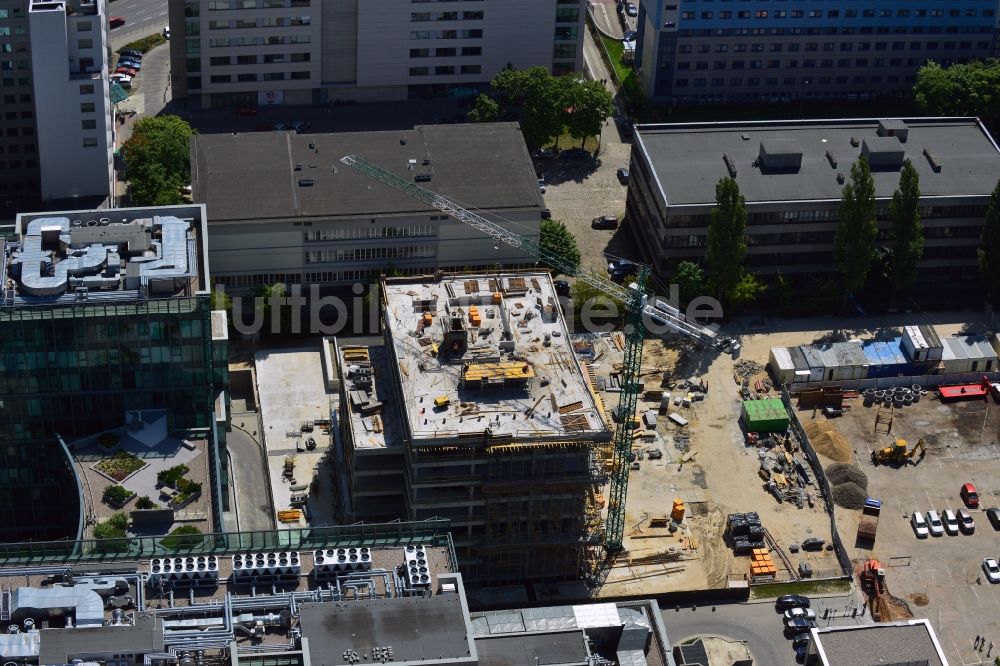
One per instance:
(881, 383)
(824, 486)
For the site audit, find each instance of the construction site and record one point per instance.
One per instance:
(477, 410)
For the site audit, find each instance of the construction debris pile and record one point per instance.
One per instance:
(752, 379)
(744, 532)
(849, 485)
(786, 474)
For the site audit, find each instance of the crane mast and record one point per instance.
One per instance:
(634, 298)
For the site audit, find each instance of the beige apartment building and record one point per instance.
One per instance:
(227, 53)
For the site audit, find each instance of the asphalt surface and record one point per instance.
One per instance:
(757, 624)
(142, 17)
(253, 505)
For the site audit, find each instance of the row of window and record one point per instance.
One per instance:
(264, 76)
(222, 5)
(354, 233)
(821, 237)
(14, 148)
(835, 13)
(14, 115)
(447, 52)
(850, 30)
(719, 82)
(17, 164)
(253, 59)
(795, 47)
(266, 22)
(370, 253)
(446, 34)
(830, 215)
(259, 41)
(416, 17)
(444, 70)
(794, 64)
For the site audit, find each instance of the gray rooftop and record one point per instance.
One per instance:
(61, 646)
(687, 159)
(258, 175)
(562, 648)
(430, 629)
(972, 347)
(905, 642)
(518, 378)
(367, 376)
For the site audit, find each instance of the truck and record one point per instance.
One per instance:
(869, 519)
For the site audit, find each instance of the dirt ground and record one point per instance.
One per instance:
(722, 477)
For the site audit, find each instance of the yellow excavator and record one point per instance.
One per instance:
(898, 453)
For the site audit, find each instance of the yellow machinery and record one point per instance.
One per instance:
(677, 512)
(898, 453)
(441, 401)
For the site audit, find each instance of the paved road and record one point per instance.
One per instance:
(757, 624)
(250, 484)
(142, 17)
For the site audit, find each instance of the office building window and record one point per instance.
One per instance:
(89, 142)
(87, 107)
(86, 89)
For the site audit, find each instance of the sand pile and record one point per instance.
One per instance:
(827, 441)
(849, 495)
(838, 473)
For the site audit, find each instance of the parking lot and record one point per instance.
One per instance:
(940, 577)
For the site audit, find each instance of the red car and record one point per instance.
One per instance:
(246, 111)
(969, 495)
(126, 70)
(116, 21)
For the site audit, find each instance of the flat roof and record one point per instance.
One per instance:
(687, 158)
(517, 376)
(61, 646)
(261, 175)
(418, 629)
(904, 642)
(367, 374)
(556, 648)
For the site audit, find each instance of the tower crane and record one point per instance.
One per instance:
(633, 297)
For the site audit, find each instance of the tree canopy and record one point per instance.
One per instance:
(968, 89)
(989, 248)
(854, 247)
(547, 105)
(690, 281)
(726, 246)
(907, 232)
(486, 110)
(556, 238)
(158, 159)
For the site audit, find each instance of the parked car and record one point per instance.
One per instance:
(631, 9)
(562, 287)
(934, 523)
(629, 35)
(605, 222)
(993, 515)
(116, 21)
(131, 53)
(124, 80)
(128, 62)
(541, 185)
(622, 175)
(166, 32)
(623, 266)
(800, 613)
(788, 601)
(281, 127)
(991, 569)
(799, 640)
(126, 70)
(965, 521)
(543, 154)
(919, 525)
(245, 111)
(799, 625)
(301, 126)
(813, 543)
(969, 495)
(950, 522)
(575, 154)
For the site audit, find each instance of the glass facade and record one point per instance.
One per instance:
(73, 370)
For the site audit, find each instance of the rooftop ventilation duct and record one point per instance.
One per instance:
(883, 153)
(893, 127)
(86, 604)
(780, 155)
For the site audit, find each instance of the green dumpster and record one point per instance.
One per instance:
(767, 415)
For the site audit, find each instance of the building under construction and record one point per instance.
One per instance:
(477, 410)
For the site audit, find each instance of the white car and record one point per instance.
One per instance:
(991, 569)
(800, 614)
(124, 80)
(934, 523)
(919, 525)
(950, 522)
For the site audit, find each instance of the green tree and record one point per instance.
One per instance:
(158, 159)
(726, 245)
(554, 237)
(969, 89)
(586, 106)
(690, 281)
(989, 248)
(145, 503)
(221, 300)
(907, 232)
(745, 290)
(540, 99)
(854, 246)
(265, 298)
(485, 111)
(184, 537)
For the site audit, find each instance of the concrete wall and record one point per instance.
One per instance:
(69, 59)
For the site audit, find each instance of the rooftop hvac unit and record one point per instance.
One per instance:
(418, 571)
(253, 565)
(192, 569)
(342, 560)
